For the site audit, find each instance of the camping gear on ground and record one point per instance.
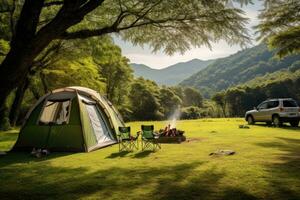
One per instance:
(149, 139)
(74, 119)
(222, 153)
(171, 135)
(40, 152)
(127, 142)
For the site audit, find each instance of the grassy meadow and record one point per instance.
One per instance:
(266, 166)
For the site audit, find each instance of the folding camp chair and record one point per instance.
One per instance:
(126, 141)
(149, 139)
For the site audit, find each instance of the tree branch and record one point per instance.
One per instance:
(139, 17)
(71, 13)
(53, 3)
(88, 7)
(113, 29)
(11, 17)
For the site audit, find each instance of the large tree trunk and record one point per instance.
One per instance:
(27, 42)
(15, 66)
(16, 106)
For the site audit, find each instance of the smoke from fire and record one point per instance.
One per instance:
(174, 117)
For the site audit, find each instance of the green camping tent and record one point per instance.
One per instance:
(70, 119)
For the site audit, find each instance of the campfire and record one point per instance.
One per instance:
(170, 132)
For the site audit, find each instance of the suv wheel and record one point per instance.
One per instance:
(276, 121)
(250, 120)
(294, 123)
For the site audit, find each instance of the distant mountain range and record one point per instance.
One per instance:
(171, 75)
(212, 76)
(237, 69)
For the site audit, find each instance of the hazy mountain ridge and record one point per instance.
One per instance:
(171, 75)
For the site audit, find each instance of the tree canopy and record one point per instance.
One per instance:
(280, 26)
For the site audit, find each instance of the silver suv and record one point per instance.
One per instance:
(275, 111)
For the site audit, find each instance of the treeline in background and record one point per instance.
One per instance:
(97, 63)
(235, 101)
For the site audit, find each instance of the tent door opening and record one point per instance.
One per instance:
(99, 123)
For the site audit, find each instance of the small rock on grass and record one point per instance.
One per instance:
(222, 153)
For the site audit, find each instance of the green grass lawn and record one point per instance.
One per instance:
(266, 166)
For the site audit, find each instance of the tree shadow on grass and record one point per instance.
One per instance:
(15, 158)
(237, 194)
(285, 174)
(44, 180)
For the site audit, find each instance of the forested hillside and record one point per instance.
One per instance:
(237, 69)
(171, 75)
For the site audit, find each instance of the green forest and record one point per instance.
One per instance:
(101, 67)
(49, 44)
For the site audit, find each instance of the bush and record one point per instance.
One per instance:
(191, 112)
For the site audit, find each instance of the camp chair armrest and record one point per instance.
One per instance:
(144, 138)
(119, 137)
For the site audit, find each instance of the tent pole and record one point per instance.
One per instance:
(81, 118)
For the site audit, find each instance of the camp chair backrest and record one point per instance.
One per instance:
(147, 131)
(124, 132)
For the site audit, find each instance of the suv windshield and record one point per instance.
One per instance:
(289, 103)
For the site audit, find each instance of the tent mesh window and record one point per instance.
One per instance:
(56, 112)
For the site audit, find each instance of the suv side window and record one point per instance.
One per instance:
(263, 106)
(273, 104)
(289, 103)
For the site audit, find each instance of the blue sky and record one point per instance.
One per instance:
(143, 55)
